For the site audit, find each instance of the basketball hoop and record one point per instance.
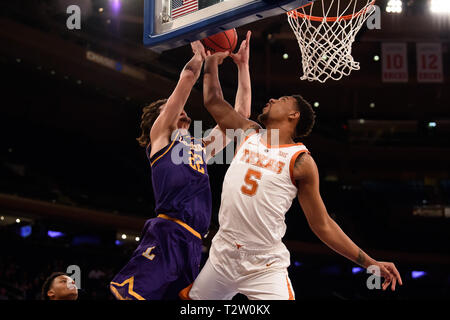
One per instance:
(325, 31)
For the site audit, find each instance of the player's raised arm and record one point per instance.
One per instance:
(222, 112)
(326, 229)
(217, 140)
(243, 101)
(166, 121)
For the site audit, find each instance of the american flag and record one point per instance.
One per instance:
(182, 7)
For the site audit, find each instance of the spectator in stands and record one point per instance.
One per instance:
(59, 286)
(3, 295)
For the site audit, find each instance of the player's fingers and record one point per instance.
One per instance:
(396, 273)
(249, 34)
(195, 45)
(243, 45)
(385, 272)
(385, 284)
(394, 281)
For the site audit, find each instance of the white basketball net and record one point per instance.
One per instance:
(326, 41)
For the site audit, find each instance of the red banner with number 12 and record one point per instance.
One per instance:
(429, 62)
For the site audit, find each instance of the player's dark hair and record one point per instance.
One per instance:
(149, 115)
(307, 117)
(48, 283)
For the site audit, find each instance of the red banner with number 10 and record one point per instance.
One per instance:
(395, 62)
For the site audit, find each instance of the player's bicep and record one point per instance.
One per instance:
(177, 100)
(215, 141)
(309, 194)
(173, 107)
(225, 115)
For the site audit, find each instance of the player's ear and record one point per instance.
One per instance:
(293, 115)
(51, 294)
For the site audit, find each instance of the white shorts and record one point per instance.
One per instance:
(257, 274)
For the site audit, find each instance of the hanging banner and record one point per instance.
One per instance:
(116, 65)
(429, 63)
(395, 62)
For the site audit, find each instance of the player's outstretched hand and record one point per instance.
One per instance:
(243, 55)
(198, 49)
(217, 57)
(390, 274)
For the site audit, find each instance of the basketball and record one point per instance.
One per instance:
(221, 42)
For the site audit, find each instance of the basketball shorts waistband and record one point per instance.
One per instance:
(181, 223)
(253, 250)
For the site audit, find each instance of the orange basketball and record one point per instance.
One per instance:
(221, 42)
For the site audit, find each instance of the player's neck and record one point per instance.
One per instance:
(276, 136)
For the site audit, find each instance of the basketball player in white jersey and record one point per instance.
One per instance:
(247, 254)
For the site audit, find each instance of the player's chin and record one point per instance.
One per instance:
(184, 122)
(262, 118)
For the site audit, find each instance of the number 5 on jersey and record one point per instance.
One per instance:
(251, 183)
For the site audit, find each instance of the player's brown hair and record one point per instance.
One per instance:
(149, 115)
(307, 117)
(48, 283)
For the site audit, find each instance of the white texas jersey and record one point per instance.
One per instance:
(258, 190)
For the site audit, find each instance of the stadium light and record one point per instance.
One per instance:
(55, 234)
(440, 6)
(432, 124)
(394, 6)
(124, 236)
(115, 6)
(356, 270)
(316, 104)
(25, 231)
(418, 274)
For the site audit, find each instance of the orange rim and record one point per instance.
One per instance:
(328, 19)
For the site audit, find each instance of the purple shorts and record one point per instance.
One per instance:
(166, 261)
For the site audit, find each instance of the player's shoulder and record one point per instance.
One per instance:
(250, 128)
(305, 167)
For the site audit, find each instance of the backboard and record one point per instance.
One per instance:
(173, 23)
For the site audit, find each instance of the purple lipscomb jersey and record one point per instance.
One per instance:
(182, 190)
(168, 256)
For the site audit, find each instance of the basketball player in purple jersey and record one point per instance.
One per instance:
(168, 256)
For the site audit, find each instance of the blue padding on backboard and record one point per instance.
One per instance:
(206, 27)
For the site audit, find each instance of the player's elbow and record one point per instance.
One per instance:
(188, 75)
(321, 227)
(211, 98)
(244, 113)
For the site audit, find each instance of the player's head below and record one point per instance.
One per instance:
(289, 113)
(59, 286)
(149, 115)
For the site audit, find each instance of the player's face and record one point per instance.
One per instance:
(183, 119)
(63, 288)
(277, 109)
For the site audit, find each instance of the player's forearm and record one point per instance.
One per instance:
(244, 92)
(193, 68)
(332, 235)
(212, 91)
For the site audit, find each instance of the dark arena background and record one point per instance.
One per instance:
(75, 187)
